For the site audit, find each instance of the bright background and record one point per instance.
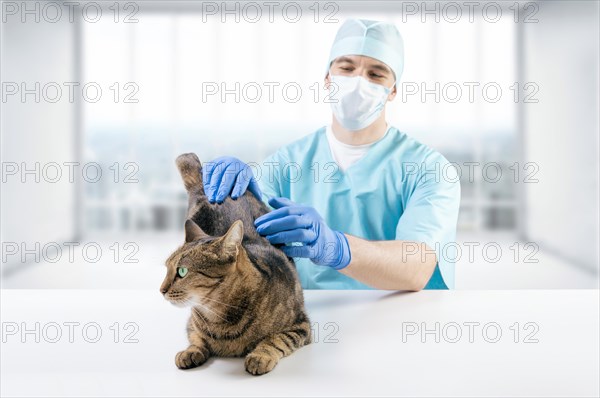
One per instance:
(173, 49)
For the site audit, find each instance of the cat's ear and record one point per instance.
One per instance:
(233, 238)
(193, 232)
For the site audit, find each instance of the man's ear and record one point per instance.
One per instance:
(193, 232)
(327, 80)
(393, 93)
(233, 238)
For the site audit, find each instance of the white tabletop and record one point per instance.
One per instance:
(367, 343)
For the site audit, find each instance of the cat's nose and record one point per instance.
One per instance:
(164, 287)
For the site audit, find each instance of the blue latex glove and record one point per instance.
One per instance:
(291, 222)
(226, 176)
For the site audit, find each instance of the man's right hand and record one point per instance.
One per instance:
(228, 176)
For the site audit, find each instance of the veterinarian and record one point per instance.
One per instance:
(365, 205)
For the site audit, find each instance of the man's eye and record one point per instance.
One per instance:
(375, 75)
(347, 69)
(182, 271)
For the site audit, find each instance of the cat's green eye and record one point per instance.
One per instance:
(182, 271)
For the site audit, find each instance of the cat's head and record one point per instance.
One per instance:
(202, 265)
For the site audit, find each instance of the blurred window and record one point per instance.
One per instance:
(204, 87)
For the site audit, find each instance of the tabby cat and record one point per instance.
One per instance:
(245, 294)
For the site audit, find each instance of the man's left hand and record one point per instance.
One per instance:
(291, 222)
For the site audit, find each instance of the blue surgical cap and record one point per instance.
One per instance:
(375, 39)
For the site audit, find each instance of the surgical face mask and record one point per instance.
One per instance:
(356, 102)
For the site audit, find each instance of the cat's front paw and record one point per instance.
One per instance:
(190, 358)
(259, 364)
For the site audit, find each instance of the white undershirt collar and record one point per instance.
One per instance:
(345, 155)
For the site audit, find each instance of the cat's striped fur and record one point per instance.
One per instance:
(245, 294)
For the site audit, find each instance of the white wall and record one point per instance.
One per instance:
(37, 132)
(561, 131)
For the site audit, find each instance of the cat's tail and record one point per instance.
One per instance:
(190, 169)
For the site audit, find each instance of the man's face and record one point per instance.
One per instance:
(369, 68)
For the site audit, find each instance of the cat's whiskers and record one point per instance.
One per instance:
(197, 312)
(220, 302)
(220, 315)
(206, 307)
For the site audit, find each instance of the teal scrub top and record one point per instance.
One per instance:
(399, 190)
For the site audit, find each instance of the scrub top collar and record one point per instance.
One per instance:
(376, 147)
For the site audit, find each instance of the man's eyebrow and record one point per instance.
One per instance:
(343, 59)
(381, 67)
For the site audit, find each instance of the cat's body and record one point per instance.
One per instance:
(245, 294)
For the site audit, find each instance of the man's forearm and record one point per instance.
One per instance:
(390, 264)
